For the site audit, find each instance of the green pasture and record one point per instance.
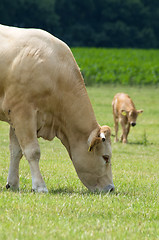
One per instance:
(69, 210)
(124, 66)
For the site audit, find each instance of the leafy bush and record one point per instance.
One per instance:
(118, 66)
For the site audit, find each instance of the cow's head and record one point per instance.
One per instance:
(93, 162)
(131, 115)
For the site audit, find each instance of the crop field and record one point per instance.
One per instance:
(118, 66)
(69, 210)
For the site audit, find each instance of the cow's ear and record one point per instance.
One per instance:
(124, 112)
(94, 142)
(139, 111)
(98, 136)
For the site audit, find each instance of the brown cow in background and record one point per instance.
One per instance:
(124, 111)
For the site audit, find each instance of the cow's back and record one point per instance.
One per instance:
(122, 101)
(35, 62)
(40, 70)
(30, 48)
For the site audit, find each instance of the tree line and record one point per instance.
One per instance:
(91, 23)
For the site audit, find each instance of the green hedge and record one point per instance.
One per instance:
(118, 66)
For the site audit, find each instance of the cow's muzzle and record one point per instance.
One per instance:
(109, 188)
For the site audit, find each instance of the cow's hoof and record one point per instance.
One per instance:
(40, 190)
(12, 187)
(7, 185)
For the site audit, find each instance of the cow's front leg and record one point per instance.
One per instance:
(15, 156)
(124, 134)
(24, 121)
(32, 154)
(121, 137)
(127, 130)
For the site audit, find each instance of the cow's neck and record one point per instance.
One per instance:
(77, 121)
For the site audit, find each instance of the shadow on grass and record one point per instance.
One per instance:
(137, 143)
(56, 191)
(70, 191)
(143, 142)
(140, 143)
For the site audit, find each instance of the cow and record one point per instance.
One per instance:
(124, 111)
(42, 94)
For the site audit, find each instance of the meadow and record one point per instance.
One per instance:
(69, 210)
(118, 66)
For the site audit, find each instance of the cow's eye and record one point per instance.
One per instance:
(106, 158)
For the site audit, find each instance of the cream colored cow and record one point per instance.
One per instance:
(124, 111)
(42, 94)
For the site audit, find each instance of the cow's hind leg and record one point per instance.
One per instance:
(15, 156)
(116, 120)
(116, 129)
(25, 124)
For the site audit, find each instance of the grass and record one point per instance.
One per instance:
(124, 66)
(69, 210)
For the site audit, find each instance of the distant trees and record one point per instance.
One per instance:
(29, 13)
(99, 23)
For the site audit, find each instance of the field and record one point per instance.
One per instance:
(124, 66)
(69, 210)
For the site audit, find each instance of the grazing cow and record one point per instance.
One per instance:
(124, 111)
(42, 94)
